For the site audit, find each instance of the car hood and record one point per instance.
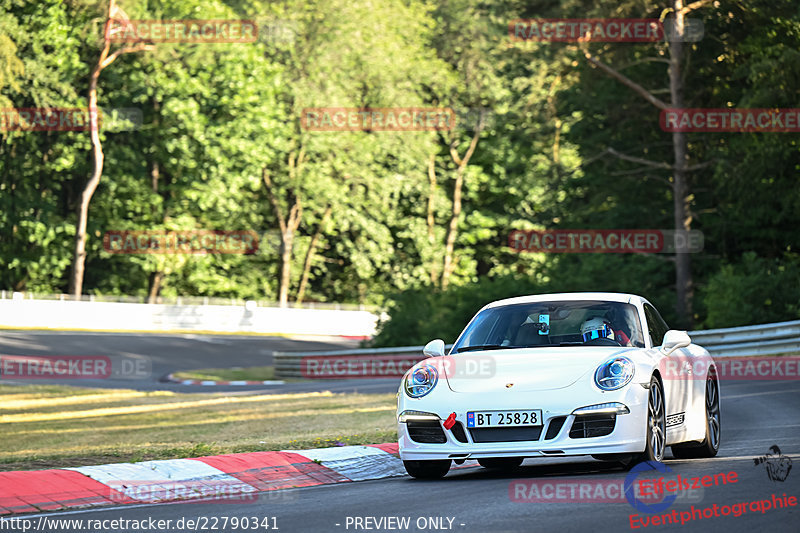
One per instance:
(528, 369)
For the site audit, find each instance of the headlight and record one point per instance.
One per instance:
(614, 373)
(421, 381)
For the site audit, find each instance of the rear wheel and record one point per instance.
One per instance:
(710, 445)
(427, 469)
(501, 463)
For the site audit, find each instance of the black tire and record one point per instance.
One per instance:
(656, 425)
(710, 445)
(501, 463)
(436, 469)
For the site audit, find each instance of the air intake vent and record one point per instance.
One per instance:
(555, 426)
(458, 432)
(586, 426)
(426, 431)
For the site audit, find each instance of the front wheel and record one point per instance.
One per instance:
(710, 445)
(656, 425)
(427, 469)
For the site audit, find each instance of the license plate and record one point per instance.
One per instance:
(503, 419)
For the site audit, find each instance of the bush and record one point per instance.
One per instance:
(757, 290)
(421, 315)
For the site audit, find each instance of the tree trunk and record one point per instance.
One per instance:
(680, 197)
(431, 212)
(312, 246)
(157, 276)
(287, 225)
(455, 213)
(452, 227)
(79, 256)
(551, 104)
(155, 286)
(287, 243)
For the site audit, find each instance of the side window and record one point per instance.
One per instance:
(656, 326)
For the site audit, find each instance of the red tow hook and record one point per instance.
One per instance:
(450, 422)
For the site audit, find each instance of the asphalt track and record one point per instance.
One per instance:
(162, 354)
(755, 416)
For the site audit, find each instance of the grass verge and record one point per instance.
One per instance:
(50, 426)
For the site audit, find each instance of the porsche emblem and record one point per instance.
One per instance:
(509, 385)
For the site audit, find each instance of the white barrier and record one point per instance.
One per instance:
(21, 313)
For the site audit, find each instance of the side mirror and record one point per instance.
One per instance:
(434, 348)
(675, 339)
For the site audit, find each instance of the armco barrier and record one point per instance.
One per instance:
(782, 338)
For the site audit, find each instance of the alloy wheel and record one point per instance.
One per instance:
(656, 421)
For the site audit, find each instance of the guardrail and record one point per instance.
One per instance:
(782, 338)
(290, 364)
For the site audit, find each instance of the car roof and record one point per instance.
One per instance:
(569, 296)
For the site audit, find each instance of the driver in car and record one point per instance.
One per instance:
(600, 328)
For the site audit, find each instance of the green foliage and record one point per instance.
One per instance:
(418, 316)
(757, 290)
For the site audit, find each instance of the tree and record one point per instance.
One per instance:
(377, 50)
(468, 42)
(104, 60)
(680, 168)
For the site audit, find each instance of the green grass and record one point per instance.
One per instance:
(252, 373)
(49, 426)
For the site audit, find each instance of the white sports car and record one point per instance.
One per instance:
(597, 374)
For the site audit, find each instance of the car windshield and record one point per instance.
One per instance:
(570, 323)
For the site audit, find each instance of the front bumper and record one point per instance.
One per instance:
(628, 434)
